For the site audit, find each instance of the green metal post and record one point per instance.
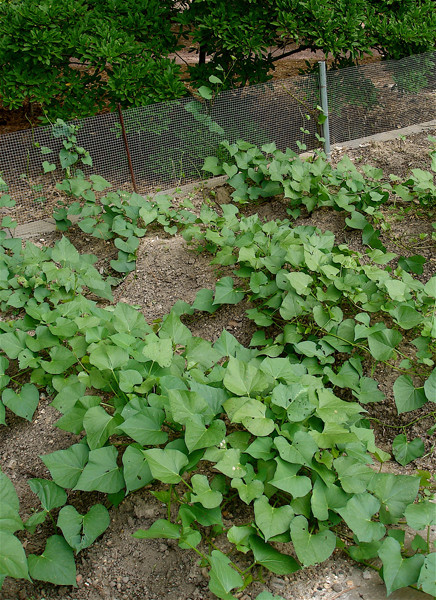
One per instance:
(325, 107)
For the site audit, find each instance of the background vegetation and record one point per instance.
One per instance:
(74, 57)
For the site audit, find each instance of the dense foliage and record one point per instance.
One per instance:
(74, 57)
(281, 424)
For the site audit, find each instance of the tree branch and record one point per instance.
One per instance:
(290, 53)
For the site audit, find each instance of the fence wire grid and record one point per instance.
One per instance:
(168, 142)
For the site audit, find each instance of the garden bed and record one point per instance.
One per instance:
(168, 269)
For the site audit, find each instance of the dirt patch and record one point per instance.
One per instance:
(119, 567)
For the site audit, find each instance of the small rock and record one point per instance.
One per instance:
(366, 574)
(336, 587)
(163, 547)
(79, 579)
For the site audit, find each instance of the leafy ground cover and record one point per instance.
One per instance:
(260, 440)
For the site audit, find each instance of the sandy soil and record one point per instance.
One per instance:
(119, 567)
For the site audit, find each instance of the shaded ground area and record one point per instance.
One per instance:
(119, 567)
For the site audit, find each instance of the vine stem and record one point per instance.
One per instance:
(187, 484)
(402, 426)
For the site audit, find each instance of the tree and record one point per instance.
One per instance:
(124, 49)
(247, 37)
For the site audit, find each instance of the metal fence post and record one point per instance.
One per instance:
(325, 107)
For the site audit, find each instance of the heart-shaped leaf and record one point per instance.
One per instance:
(80, 531)
(13, 562)
(311, 548)
(23, 404)
(223, 578)
(272, 521)
(398, 572)
(272, 559)
(165, 465)
(56, 564)
(49, 493)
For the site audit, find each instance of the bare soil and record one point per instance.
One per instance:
(118, 567)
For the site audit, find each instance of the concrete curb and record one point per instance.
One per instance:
(29, 230)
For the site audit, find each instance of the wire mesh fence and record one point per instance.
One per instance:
(168, 142)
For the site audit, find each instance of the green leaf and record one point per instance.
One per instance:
(10, 520)
(407, 397)
(251, 413)
(12, 343)
(266, 595)
(145, 427)
(205, 92)
(406, 316)
(248, 491)
(430, 287)
(165, 465)
(48, 167)
(426, 579)
(357, 514)
(272, 559)
(395, 492)
(9, 222)
(159, 529)
(99, 183)
(405, 451)
(382, 343)
(187, 406)
(13, 562)
(99, 426)
(397, 290)
(242, 379)
(225, 294)
(35, 519)
(311, 548)
(80, 531)
(49, 493)
(56, 564)
(212, 165)
(300, 452)
(398, 572)
(412, 264)
(239, 535)
(198, 436)
(260, 448)
(174, 329)
(101, 472)
(356, 220)
(136, 471)
(421, 515)
(230, 464)
(23, 404)
(300, 282)
(222, 577)
(430, 387)
(128, 378)
(61, 360)
(64, 252)
(110, 357)
(203, 492)
(272, 521)
(66, 466)
(8, 495)
(354, 476)
(160, 351)
(286, 479)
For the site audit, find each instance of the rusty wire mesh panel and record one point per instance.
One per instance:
(381, 96)
(169, 141)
